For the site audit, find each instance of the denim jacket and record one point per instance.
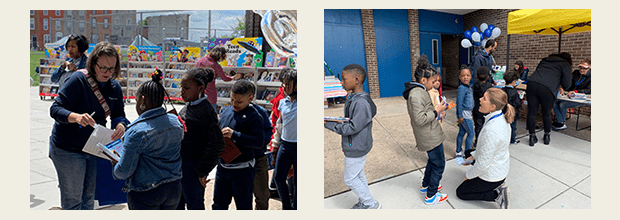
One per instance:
(464, 100)
(152, 151)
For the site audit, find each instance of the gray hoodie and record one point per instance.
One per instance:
(357, 132)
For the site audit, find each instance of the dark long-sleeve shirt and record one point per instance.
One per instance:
(248, 131)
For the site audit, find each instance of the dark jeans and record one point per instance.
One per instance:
(235, 183)
(478, 189)
(193, 193)
(77, 174)
(163, 197)
(261, 183)
(539, 94)
(434, 170)
(513, 134)
(287, 156)
(478, 123)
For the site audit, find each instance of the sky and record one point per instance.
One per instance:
(199, 20)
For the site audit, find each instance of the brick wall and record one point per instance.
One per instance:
(414, 39)
(529, 48)
(368, 27)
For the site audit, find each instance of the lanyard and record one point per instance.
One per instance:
(495, 116)
(582, 79)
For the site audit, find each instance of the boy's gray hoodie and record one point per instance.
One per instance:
(357, 133)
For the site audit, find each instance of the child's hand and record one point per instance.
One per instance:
(460, 121)
(227, 132)
(441, 107)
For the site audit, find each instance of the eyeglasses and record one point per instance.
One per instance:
(584, 68)
(106, 69)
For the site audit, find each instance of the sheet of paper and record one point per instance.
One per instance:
(101, 135)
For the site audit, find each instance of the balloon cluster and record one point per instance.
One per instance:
(477, 37)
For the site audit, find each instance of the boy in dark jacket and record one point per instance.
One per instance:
(245, 127)
(356, 134)
(479, 88)
(514, 100)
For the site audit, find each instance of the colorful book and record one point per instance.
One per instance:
(335, 119)
(110, 149)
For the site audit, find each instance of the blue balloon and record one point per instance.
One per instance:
(474, 29)
(468, 34)
(477, 44)
(488, 33)
(491, 27)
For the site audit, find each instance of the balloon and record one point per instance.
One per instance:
(484, 26)
(491, 26)
(474, 29)
(495, 33)
(468, 34)
(483, 42)
(475, 37)
(487, 33)
(465, 43)
(477, 44)
(279, 29)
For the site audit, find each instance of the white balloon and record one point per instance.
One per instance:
(496, 33)
(475, 37)
(466, 43)
(483, 42)
(483, 27)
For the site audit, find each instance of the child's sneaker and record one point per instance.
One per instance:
(423, 189)
(460, 154)
(377, 205)
(358, 204)
(437, 198)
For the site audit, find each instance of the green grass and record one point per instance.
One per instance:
(34, 63)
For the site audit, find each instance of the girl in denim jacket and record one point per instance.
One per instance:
(151, 161)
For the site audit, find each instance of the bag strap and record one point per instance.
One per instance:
(95, 88)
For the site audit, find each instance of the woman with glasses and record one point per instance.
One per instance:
(216, 55)
(581, 84)
(87, 98)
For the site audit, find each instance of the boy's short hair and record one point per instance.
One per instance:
(243, 87)
(464, 67)
(482, 73)
(357, 70)
(510, 77)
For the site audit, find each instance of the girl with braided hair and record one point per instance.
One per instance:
(151, 161)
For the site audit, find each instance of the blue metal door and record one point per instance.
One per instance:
(343, 40)
(393, 51)
(430, 45)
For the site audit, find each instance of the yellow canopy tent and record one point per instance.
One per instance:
(549, 22)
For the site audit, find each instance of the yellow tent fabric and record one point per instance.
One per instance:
(549, 21)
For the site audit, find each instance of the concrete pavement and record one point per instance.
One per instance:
(44, 192)
(555, 176)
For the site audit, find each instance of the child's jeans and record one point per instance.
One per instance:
(466, 127)
(355, 179)
(513, 135)
(434, 170)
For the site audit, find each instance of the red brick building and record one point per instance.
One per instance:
(48, 26)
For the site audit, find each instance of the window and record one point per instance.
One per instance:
(57, 12)
(435, 52)
(58, 36)
(94, 38)
(82, 12)
(31, 12)
(105, 23)
(31, 23)
(93, 23)
(45, 24)
(69, 12)
(69, 25)
(44, 12)
(57, 25)
(94, 12)
(105, 12)
(82, 25)
(47, 39)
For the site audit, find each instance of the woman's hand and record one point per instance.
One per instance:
(118, 132)
(203, 181)
(227, 132)
(81, 119)
(69, 65)
(237, 76)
